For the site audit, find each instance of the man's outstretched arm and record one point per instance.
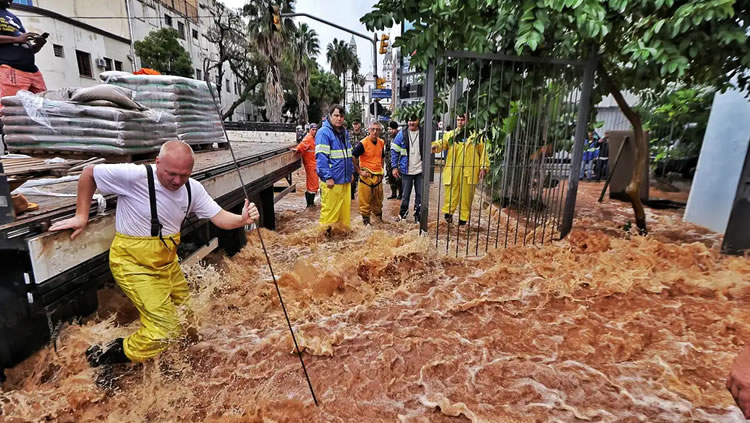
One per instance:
(86, 189)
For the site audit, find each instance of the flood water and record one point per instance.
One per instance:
(603, 326)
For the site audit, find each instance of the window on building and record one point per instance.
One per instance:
(168, 20)
(59, 52)
(195, 34)
(236, 91)
(24, 2)
(181, 30)
(229, 89)
(108, 64)
(198, 74)
(84, 64)
(218, 81)
(118, 65)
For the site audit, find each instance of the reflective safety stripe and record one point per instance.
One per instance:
(341, 154)
(323, 148)
(397, 148)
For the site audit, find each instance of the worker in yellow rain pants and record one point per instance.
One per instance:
(465, 165)
(152, 203)
(335, 166)
(370, 152)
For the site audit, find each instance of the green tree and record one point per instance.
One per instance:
(325, 90)
(355, 112)
(341, 57)
(640, 44)
(269, 44)
(161, 51)
(305, 46)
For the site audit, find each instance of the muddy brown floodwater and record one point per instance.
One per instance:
(603, 326)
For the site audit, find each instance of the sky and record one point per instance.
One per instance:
(347, 14)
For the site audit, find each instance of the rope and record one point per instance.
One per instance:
(260, 237)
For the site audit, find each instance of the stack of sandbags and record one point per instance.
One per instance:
(187, 99)
(98, 120)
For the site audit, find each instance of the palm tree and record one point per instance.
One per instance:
(270, 45)
(339, 56)
(304, 45)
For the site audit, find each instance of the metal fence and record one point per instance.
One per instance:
(508, 173)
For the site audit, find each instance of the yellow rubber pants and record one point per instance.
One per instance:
(149, 274)
(371, 197)
(459, 191)
(335, 204)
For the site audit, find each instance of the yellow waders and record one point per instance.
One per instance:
(149, 274)
(371, 195)
(335, 205)
(455, 192)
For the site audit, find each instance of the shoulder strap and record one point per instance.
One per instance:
(155, 224)
(190, 200)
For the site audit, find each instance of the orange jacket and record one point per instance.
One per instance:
(307, 149)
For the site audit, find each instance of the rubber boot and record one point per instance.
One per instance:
(114, 354)
(449, 218)
(310, 198)
(380, 217)
(461, 222)
(366, 220)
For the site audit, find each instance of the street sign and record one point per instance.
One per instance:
(384, 118)
(382, 93)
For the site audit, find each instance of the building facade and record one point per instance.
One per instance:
(88, 37)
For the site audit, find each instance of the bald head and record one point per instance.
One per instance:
(174, 164)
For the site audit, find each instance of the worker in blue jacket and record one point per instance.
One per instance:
(333, 157)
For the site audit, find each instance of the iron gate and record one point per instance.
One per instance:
(510, 173)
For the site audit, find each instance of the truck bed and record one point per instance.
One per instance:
(206, 163)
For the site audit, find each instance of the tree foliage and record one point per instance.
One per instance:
(269, 45)
(639, 44)
(161, 51)
(325, 90)
(305, 46)
(341, 57)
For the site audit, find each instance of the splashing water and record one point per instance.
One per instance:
(600, 326)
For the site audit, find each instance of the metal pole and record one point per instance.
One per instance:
(132, 35)
(427, 148)
(575, 162)
(614, 167)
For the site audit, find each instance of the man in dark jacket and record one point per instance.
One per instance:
(407, 153)
(356, 135)
(602, 162)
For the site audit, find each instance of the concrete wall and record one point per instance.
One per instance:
(721, 160)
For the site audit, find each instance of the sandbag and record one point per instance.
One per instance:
(121, 96)
(19, 140)
(73, 132)
(83, 148)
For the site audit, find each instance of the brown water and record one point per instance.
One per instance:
(600, 327)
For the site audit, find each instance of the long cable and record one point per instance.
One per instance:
(260, 237)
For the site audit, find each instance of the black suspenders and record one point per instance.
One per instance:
(156, 226)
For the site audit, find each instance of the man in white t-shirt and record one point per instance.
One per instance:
(152, 202)
(407, 153)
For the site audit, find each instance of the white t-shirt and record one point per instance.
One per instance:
(415, 159)
(133, 215)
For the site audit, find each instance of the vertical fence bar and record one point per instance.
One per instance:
(584, 110)
(506, 149)
(522, 149)
(427, 148)
(495, 145)
(472, 186)
(449, 195)
(575, 94)
(440, 180)
(514, 140)
(550, 205)
(486, 154)
(464, 133)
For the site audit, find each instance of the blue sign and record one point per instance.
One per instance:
(384, 118)
(382, 93)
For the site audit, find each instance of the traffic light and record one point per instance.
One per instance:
(275, 18)
(384, 43)
(379, 83)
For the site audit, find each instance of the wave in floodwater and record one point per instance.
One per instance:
(598, 327)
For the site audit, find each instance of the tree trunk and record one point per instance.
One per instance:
(274, 94)
(301, 78)
(641, 151)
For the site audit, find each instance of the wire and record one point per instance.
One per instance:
(263, 245)
(118, 17)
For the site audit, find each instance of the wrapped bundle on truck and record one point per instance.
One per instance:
(97, 120)
(187, 99)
